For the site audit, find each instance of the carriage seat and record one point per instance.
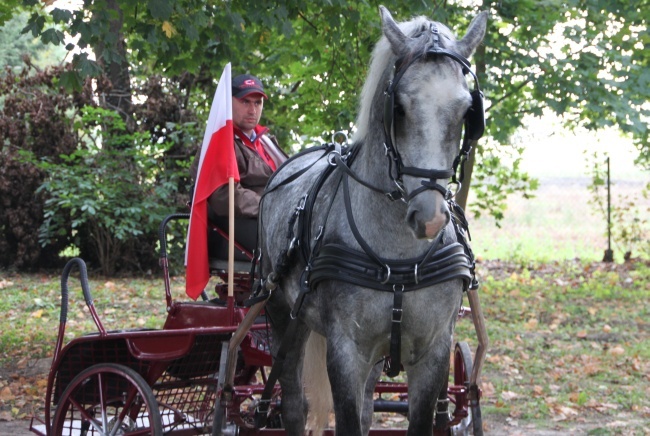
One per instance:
(245, 243)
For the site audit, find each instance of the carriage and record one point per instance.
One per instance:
(214, 366)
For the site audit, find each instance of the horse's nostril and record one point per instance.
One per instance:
(411, 219)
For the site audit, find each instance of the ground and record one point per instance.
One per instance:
(35, 372)
(568, 347)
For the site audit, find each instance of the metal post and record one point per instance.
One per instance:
(609, 254)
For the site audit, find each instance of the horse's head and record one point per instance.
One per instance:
(422, 99)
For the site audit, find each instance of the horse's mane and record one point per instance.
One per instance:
(382, 57)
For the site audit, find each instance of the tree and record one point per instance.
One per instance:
(582, 59)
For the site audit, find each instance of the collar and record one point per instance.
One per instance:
(259, 131)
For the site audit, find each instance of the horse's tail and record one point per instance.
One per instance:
(317, 383)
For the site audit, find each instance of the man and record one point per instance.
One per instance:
(258, 154)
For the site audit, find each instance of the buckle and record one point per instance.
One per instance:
(397, 315)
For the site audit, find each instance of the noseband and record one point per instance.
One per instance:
(474, 126)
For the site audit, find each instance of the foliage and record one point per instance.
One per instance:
(41, 121)
(113, 197)
(584, 60)
(35, 117)
(627, 217)
(494, 182)
(313, 57)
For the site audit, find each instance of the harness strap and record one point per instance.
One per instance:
(396, 332)
(344, 264)
(343, 166)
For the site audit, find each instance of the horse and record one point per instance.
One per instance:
(363, 243)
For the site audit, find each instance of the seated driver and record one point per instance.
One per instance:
(258, 154)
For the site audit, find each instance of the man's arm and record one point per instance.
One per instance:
(247, 201)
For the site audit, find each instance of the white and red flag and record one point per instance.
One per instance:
(217, 165)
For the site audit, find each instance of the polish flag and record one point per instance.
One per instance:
(217, 165)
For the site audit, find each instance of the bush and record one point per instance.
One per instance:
(110, 195)
(34, 117)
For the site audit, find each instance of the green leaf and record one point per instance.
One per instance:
(34, 25)
(70, 81)
(160, 9)
(61, 15)
(52, 36)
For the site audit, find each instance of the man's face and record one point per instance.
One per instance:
(247, 111)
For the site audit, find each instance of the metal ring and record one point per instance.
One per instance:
(340, 133)
(415, 272)
(387, 275)
(455, 193)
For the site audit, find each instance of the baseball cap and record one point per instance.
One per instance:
(245, 84)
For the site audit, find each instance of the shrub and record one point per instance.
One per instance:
(111, 196)
(34, 117)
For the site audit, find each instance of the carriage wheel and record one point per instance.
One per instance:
(462, 371)
(107, 399)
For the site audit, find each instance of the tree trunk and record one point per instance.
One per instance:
(115, 92)
(463, 193)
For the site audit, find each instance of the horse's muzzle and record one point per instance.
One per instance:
(428, 218)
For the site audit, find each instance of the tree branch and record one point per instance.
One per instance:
(301, 15)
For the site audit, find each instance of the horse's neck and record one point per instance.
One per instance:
(374, 214)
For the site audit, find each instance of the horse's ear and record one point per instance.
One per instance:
(474, 35)
(392, 31)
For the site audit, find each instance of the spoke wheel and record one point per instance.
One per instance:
(462, 371)
(107, 399)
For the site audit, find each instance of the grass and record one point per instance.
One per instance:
(569, 340)
(557, 224)
(31, 307)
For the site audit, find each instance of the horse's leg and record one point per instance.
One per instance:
(294, 403)
(348, 373)
(369, 396)
(425, 379)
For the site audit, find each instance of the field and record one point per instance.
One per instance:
(558, 224)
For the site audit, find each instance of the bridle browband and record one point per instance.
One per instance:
(474, 126)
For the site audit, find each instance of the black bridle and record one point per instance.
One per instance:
(474, 126)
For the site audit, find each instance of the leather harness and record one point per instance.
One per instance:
(441, 262)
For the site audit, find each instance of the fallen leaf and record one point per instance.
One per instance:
(617, 350)
(487, 389)
(6, 394)
(509, 395)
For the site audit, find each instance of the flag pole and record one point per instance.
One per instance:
(231, 248)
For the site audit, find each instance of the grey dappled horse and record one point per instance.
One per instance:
(355, 219)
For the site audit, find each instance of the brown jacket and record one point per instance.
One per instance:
(254, 172)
